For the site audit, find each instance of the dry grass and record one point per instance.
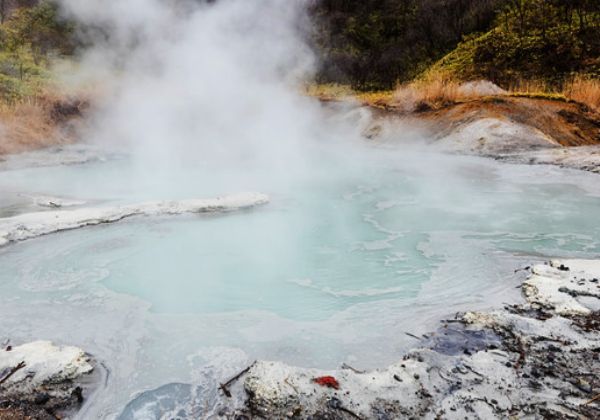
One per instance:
(425, 95)
(335, 92)
(435, 93)
(330, 92)
(34, 123)
(380, 98)
(535, 89)
(414, 96)
(431, 94)
(584, 90)
(24, 126)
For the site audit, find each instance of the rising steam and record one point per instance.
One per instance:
(202, 83)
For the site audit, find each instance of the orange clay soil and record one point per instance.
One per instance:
(569, 123)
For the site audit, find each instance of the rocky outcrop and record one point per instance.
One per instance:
(40, 380)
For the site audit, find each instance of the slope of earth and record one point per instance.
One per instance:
(517, 129)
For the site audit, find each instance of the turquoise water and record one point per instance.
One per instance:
(336, 268)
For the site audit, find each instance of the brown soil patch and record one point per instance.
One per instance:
(569, 123)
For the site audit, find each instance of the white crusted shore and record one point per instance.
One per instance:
(539, 359)
(560, 284)
(31, 225)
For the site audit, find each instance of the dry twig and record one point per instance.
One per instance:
(12, 372)
(225, 387)
(596, 398)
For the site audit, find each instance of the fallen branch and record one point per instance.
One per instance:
(337, 405)
(473, 371)
(455, 321)
(485, 400)
(12, 372)
(522, 354)
(286, 380)
(347, 366)
(523, 269)
(596, 398)
(225, 387)
(439, 371)
(352, 413)
(412, 335)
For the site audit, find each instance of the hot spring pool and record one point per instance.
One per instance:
(337, 268)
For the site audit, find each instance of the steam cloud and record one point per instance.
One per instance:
(203, 83)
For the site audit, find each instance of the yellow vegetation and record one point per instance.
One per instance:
(423, 95)
(435, 93)
(336, 92)
(584, 90)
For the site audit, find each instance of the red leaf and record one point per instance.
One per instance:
(327, 381)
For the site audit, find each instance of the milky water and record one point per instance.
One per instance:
(340, 264)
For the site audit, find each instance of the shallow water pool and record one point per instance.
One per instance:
(341, 263)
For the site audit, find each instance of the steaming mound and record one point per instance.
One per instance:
(562, 123)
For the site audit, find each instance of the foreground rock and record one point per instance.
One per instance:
(31, 225)
(42, 381)
(539, 359)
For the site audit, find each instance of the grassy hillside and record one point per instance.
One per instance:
(372, 44)
(377, 44)
(531, 40)
(30, 38)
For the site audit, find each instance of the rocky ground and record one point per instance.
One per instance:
(537, 359)
(42, 381)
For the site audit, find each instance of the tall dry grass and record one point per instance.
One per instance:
(431, 94)
(581, 89)
(584, 90)
(31, 124)
(435, 93)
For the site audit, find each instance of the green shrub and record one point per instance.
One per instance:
(548, 40)
(28, 41)
(39, 28)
